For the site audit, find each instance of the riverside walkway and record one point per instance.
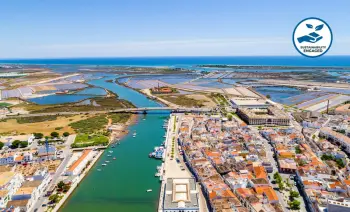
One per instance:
(123, 110)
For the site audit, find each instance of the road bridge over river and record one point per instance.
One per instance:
(122, 110)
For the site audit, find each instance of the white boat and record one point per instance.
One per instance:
(157, 175)
(109, 155)
(103, 164)
(134, 133)
(110, 151)
(149, 190)
(107, 161)
(99, 170)
(134, 136)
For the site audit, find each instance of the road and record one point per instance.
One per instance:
(282, 196)
(67, 155)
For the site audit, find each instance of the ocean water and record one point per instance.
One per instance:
(189, 61)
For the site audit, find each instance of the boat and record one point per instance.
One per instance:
(109, 155)
(103, 164)
(99, 170)
(110, 151)
(114, 158)
(107, 161)
(149, 190)
(157, 175)
(143, 119)
(134, 136)
(118, 143)
(113, 146)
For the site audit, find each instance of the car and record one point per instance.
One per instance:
(44, 205)
(177, 160)
(182, 168)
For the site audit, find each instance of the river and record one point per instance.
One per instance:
(121, 186)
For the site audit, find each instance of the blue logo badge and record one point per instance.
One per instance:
(312, 37)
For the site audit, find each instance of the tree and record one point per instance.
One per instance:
(294, 194)
(38, 135)
(66, 134)
(54, 198)
(24, 144)
(15, 144)
(298, 150)
(277, 177)
(268, 96)
(65, 188)
(54, 134)
(313, 137)
(281, 185)
(1, 145)
(294, 205)
(229, 116)
(60, 185)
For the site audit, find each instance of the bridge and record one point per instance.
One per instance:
(122, 110)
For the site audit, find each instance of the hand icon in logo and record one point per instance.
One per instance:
(312, 37)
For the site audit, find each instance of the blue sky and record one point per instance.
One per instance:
(107, 28)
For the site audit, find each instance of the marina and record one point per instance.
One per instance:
(124, 191)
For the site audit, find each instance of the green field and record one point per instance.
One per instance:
(90, 125)
(85, 140)
(4, 104)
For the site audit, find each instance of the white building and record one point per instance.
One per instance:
(180, 195)
(77, 167)
(9, 184)
(7, 158)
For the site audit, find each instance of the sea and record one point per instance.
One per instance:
(325, 61)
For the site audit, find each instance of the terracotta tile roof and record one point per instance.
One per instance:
(268, 191)
(19, 158)
(77, 162)
(260, 172)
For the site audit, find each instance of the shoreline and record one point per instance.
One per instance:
(132, 120)
(76, 184)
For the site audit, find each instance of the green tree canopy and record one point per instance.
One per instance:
(1, 145)
(55, 134)
(66, 134)
(38, 135)
(15, 144)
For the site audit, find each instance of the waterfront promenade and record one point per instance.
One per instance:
(76, 183)
(172, 168)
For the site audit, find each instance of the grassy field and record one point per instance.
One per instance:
(11, 126)
(104, 103)
(119, 117)
(84, 140)
(35, 119)
(4, 104)
(183, 100)
(90, 125)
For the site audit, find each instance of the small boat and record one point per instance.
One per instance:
(113, 146)
(114, 158)
(134, 133)
(103, 164)
(143, 119)
(110, 151)
(109, 155)
(118, 143)
(134, 136)
(107, 161)
(157, 175)
(149, 190)
(99, 170)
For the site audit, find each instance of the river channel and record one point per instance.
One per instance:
(121, 186)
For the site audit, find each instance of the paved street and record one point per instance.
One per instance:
(284, 195)
(67, 155)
